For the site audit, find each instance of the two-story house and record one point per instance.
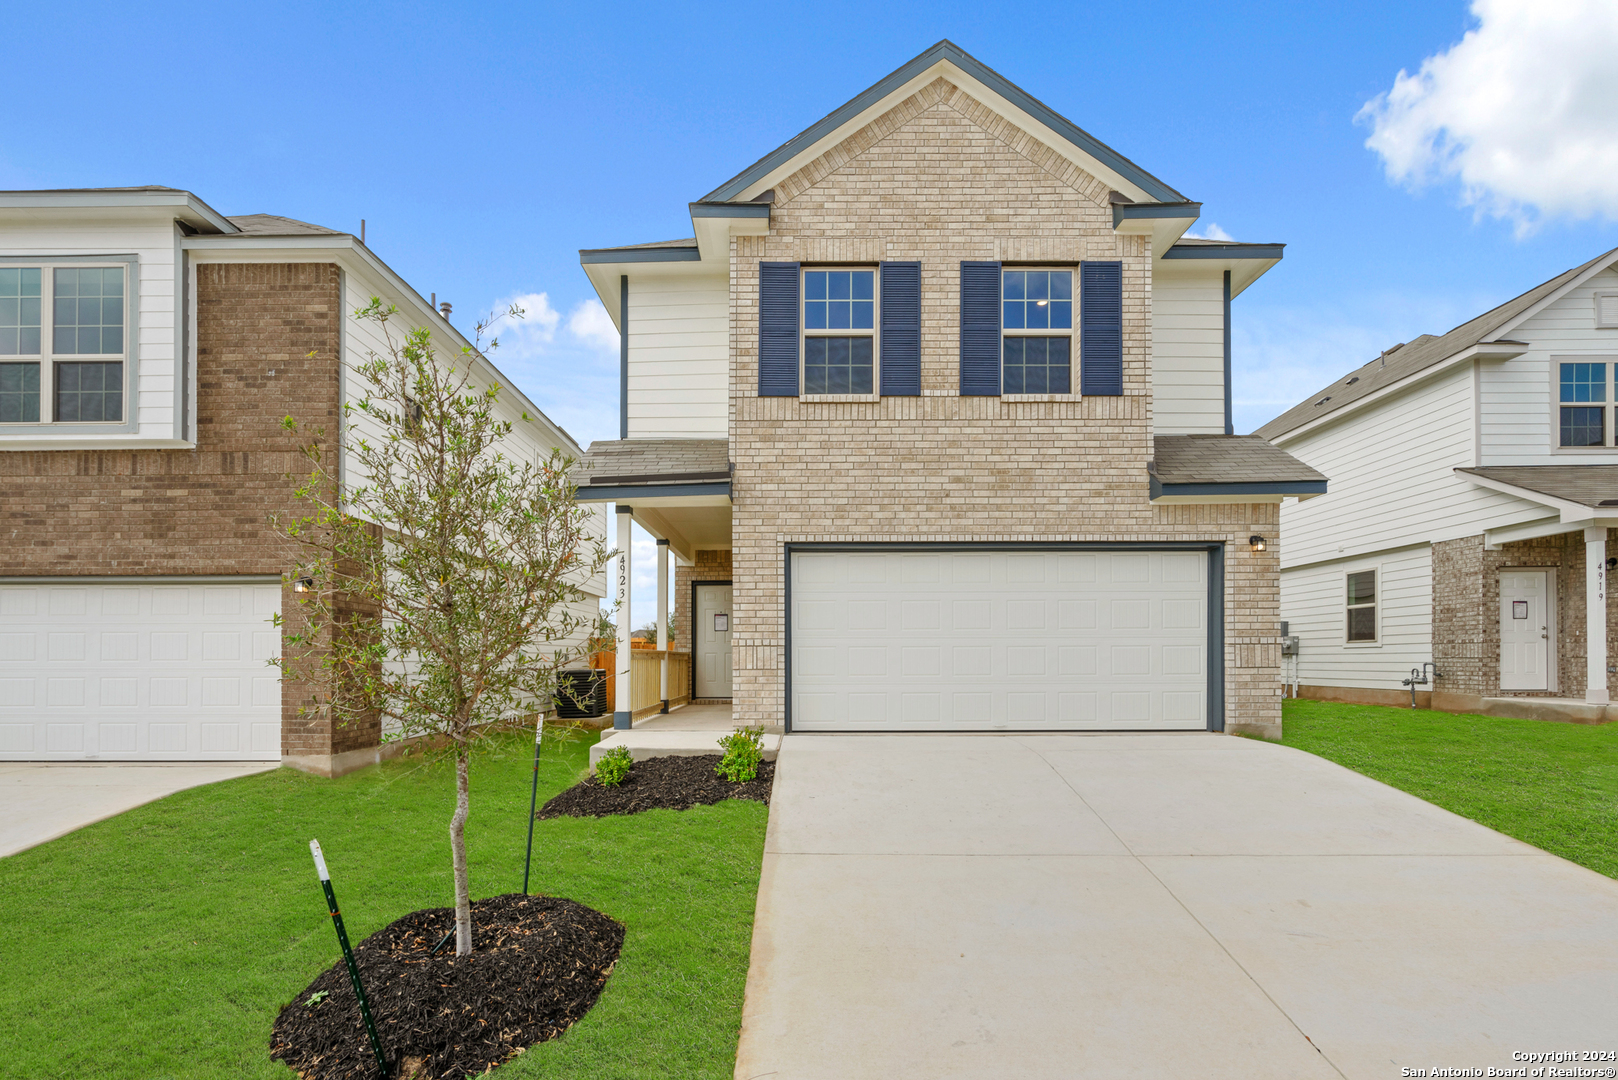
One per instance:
(149, 349)
(1474, 484)
(933, 412)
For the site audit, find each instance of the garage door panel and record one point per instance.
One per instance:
(133, 670)
(1032, 640)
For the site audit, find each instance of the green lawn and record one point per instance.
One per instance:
(1552, 785)
(162, 943)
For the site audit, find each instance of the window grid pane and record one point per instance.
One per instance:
(90, 392)
(89, 310)
(1036, 365)
(1584, 425)
(1036, 299)
(837, 365)
(1584, 382)
(839, 299)
(19, 310)
(19, 393)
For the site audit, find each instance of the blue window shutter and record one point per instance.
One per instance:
(1101, 328)
(901, 329)
(980, 329)
(777, 329)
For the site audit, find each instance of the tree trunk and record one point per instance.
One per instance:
(457, 847)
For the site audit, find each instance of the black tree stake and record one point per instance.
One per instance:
(533, 802)
(348, 956)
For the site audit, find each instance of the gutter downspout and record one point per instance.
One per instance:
(1230, 427)
(623, 354)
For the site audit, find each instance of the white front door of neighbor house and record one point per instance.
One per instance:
(1525, 634)
(130, 670)
(1001, 639)
(713, 641)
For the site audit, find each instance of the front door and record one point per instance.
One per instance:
(1525, 635)
(713, 641)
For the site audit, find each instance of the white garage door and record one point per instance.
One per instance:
(986, 640)
(120, 670)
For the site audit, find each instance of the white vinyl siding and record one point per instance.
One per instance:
(679, 357)
(1313, 603)
(1188, 356)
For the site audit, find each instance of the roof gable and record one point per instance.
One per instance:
(949, 61)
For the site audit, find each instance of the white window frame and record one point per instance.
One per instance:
(1609, 407)
(875, 332)
(1071, 333)
(1597, 298)
(1375, 606)
(47, 358)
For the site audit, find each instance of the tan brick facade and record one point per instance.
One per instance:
(941, 179)
(267, 345)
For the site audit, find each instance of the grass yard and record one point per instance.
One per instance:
(160, 944)
(1552, 785)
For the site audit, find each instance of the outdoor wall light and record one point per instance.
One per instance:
(1256, 542)
(303, 585)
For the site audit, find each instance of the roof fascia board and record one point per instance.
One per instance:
(1227, 251)
(1570, 511)
(676, 492)
(730, 210)
(992, 89)
(1480, 351)
(1495, 539)
(1121, 212)
(357, 256)
(197, 210)
(621, 256)
(1591, 271)
(1253, 487)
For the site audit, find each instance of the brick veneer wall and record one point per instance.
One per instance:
(1466, 613)
(940, 178)
(267, 342)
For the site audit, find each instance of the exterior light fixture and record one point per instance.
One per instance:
(303, 585)
(1256, 542)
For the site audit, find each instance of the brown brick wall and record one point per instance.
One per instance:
(267, 343)
(942, 179)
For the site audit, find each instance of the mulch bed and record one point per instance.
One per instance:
(660, 783)
(538, 964)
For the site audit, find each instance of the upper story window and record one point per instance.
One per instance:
(1584, 396)
(839, 331)
(74, 373)
(1036, 320)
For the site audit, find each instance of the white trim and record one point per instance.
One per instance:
(1597, 298)
(874, 332)
(1375, 605)
(1608, 405)
(1591, 271)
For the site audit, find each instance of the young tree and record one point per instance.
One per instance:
(440, 587)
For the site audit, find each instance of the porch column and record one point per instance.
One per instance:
(1595, 614)
(623, 709)
(663, 617)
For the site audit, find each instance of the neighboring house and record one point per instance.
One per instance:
(933, 411)
(1474, 481)
(149, 349)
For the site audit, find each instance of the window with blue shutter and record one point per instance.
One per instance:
(980, 329)
(1101, 328)
(1036, 320)
(777, 329)
(901, 329)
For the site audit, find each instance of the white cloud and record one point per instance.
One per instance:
(1522, 111)
(591, 324)
(529, 335)
(1210, 231)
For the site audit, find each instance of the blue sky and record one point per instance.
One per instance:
(485, 144)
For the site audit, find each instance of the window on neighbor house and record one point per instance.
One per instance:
(1582, 392)
(1036, 320)
(839, 331)
(1362, 605)
(75, 372)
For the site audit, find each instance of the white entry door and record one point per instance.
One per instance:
(713, 641)
(155, 670)
(1525, 636)
(979, 640)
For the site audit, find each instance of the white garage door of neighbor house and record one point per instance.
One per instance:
(966, 640)
(128, 671)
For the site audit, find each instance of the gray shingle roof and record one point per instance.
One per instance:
(1590, 485)
(274, 225)
(687, 242)
(1225, 459)
(1423, 352)
(655, 461)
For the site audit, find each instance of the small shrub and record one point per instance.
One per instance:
(744, 749)
(613, 766)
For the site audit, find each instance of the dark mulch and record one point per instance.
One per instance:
(538, 963)
(660, 783)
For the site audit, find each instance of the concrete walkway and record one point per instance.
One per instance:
(1151, 906)
(39, 802)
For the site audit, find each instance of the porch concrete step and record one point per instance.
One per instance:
(647, 743)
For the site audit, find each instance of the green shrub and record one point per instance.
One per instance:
(613, 766)
(744, 749)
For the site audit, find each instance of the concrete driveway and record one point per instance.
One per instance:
(1152, 906)
(40, 801)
